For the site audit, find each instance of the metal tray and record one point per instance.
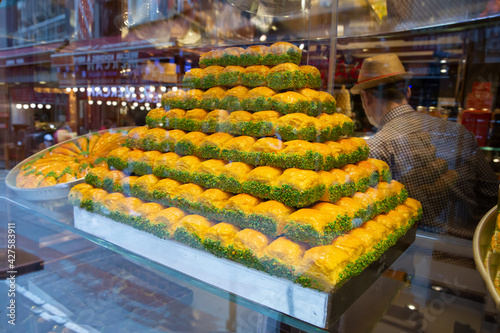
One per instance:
(311, 306)
(487, 264)
(55, 192)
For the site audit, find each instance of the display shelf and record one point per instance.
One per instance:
(315, 307)
(328, 307)
(61, 210)
(434, 269)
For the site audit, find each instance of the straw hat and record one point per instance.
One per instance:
(378, 70)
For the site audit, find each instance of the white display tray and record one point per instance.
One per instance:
(487, 264)
(311, 306)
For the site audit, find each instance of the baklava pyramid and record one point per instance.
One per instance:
(253, 164)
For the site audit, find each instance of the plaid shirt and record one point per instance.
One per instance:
(440, 164)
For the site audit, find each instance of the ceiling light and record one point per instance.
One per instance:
(152, 88)
(89, 89)
(43, 82)
(115, 103)
(48, 106)
(163, 89)
(105, 89)
(146, 104)
(142, 107)
(32, 105)
(443, 61)
(26, 106)
(82, 89)
(99, 102)
(108, 102)
(174, 88)
(40, 106)
(122, 88)
(113, 89)
(411, 307)
(263, 38)
(124, 103)
(444, 70)
(301, 46)
(141, 89)
(68, 89)
(91, 102)
(132, 89)
(75, 89)
(158, 104)
(19, 106)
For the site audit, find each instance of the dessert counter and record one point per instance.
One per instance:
(88, 284)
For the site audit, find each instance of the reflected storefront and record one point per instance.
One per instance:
(158, 138)
(115, 81)
(112, 46)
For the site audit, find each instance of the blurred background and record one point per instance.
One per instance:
(71, 67)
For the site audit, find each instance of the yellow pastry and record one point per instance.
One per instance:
(212, 167)
(167, 160)
(168, 217)
(147, 210)
(242, 202)
(265, 174)
(276, 211)
(214, 197)
(195, 224)
(252, 240)
(324, 264)
(196, 114)
(237, 171)
(223, 232)
(187, 163)
(110, 201)
(146, 183)
(241, 143)
(267, 145)
(300, 180)
(286, 251)
(167, 187)
(311, 217)
(189, 192)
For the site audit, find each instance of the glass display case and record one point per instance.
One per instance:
(86, 68)
(87, 284)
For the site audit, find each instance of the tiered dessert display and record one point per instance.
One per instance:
(256, 169)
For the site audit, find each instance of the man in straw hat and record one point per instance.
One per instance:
(438, 161)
